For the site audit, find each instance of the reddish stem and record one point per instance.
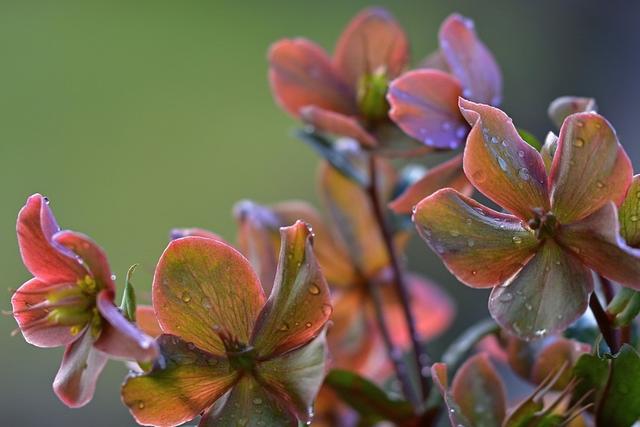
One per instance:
(609, 333)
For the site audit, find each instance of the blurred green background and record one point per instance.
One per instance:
(135, 117)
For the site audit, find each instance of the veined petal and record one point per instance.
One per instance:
(629, 214)
(147, 321)
(296, 377)
(336, 124)
(589, 169)
(500, 164)
(201, 284)
(480, 246)
(35, 328)
(119, 337)
(81, 365)
(596, 241)
(45, 259)
(446, 175)
(546, 296)
(372, 40)
(564, 106)
(301, 73)
(190, 381)
(90, 253)
(470, 60)
(424, 104)
(300, 302)
(249, 405)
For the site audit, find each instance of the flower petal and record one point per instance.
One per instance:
(629, 214)
(596, 241)
(551, 357)
(479, 392)
(500, 164)
(201, 284)
(44, 259)
(432, 309)
(446, 175)
(564, 106)
(480, 246)
(436, 60)
(119, 337)
(470, 60)
(81, 365)
(297, 376)
(249, 405)
(147, 321)
(178, 233)
(589, 169)
(190, 382)
(90, 253)
(33, 323)
(301, 73)
(548, 150)
(300, 303)
(372, 40)
(546, 296)
(424, 104)
(336, 124)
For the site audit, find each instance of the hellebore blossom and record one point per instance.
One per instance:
(70, 302)
(561, 227)
(227, 351)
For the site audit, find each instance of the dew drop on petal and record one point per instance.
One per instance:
(506, 297)
(502, 163)
(479, 176)
(314, 289)
(517, 240)
(307, 325)
(327, 309)
(141, 405)
(471, 243)
(257, 401)
(494, 140)
(454, 233)
(578, 142)
(634, 218)
(523, 173)
(186, 297)
(599, 184)
(284, 327)
(521, 154)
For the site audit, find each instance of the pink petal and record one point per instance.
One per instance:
(563, 107)
(178, 233)
(47, 261)
(119, 337)
(436, 61)
(81, 365)
(470, 60)
(337, 124)
(301, 73)
(373, 40)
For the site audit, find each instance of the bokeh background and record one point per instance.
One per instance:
(135, 117)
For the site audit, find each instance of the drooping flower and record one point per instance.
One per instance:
(229, 352)
(561, 225)
(70, 302)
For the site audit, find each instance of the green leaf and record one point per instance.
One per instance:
(620, 404)
(530, 139)
(367, 398)
(592, 373)
(128, 305)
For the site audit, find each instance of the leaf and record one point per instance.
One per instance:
(530, 138)
(629, 214)
(592, 373)
(620, 403)
(367, 398)
(128, 305)
(337, 124)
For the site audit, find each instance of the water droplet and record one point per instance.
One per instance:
(314, 290)
(521, 154)
(494, 140)
(454, 233)
(141, 405)
(579, 124)
(528, 306)
(186, 297)
(505, 297)
(307, 325)
(113, 277)
(471, 243)
(466, 93)
(461, 132)
(284, 327)
(327, 309)
(517, 240)
(524, 173)
(599, 184)
(446, 125)
(474, 272)
(578, 142)
(502, 163)
(428, 141)
(257, 401)
(633, 218)
(559, 316)
(479, 176)
(540, 332)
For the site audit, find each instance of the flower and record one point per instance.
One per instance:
(424, 102)
(343, 95)
(562, 223)
(69, 303)
(227, 350)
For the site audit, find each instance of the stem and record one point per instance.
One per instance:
(610, 335)
(420, 356)
(607, 289)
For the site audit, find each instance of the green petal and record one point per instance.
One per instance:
(629, 214)
(546, 296)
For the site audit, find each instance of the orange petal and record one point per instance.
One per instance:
(147, 321)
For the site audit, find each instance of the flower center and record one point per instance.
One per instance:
(544, 224)
(241, 356)
(372, 90)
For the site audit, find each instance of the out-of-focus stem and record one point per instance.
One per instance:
(610, 335)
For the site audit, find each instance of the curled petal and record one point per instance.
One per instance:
(596, 241)
(147, 321)
(296, 377)
(481, 247)
(546, 296)
(373, 40)
(337, 124)
(470, 60)
(301, 74)
(178, 233)
(202, 284)
(564, 106)
(81, 365)
(300, 303)
(589, 169)
(446, 175)
(424, 104)
(629, 214)
(548, 150)
(189, 381)
(119, 337)
(90, 253)
(46, 260)
(500, 164)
